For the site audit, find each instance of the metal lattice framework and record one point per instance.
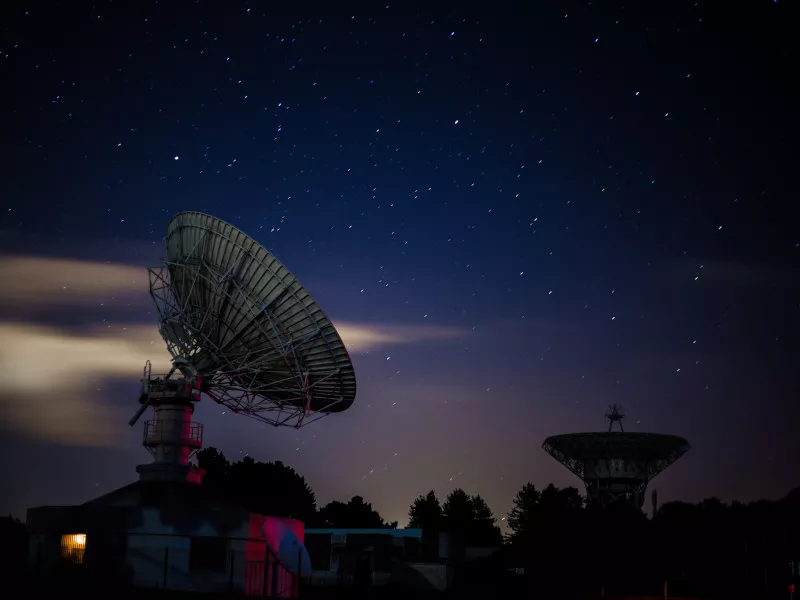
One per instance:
(244, 323)
(651, 453)
(615, 465)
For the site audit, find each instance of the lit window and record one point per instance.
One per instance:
(73, 546)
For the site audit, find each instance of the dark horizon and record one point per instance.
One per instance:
(513, 219)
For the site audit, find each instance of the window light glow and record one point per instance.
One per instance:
(73, 546)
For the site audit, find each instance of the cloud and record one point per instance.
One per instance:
(50, 376)
(42, 282)
(50, 379)
(367, 336)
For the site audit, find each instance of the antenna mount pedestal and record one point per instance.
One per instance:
(171, 436)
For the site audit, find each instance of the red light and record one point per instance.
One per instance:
(791, 588)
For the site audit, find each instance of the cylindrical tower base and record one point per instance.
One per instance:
(171, 436)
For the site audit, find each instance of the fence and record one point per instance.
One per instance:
(237, 566)
(246, 571)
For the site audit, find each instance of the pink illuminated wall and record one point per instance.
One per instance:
(280, 583)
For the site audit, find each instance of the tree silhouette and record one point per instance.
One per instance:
(266, 488)
(709, 549)
(215, 465)
(471, 516)
(484, 531)
(457, 511)
(561, 500)
(355, 514)
(535, 511)
(271, 488)
(714, 549)
(14, 549)
(425, 513)
(547, 534)
(522, 517)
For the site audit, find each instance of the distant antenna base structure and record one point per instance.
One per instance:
(242, 330)
(616, 466)
(241, 321)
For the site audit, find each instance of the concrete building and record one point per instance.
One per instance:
(162, 535)
(165, 530)
(394, 556)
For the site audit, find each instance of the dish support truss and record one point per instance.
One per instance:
(271, 384)
(611, 476)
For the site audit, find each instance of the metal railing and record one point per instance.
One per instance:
(192, 437)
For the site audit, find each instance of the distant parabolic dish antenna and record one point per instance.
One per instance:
(240, 329)
(616, 466)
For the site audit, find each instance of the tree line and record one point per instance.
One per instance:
(561, 542)
(272, 488)
(557, 543)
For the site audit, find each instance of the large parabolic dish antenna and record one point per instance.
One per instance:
(241, 329)
(616, 466)
(245, 324)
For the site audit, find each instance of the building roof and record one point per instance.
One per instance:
(160, 493)
(183, 506)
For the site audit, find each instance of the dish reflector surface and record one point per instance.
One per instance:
(647, 453)
(261, 344)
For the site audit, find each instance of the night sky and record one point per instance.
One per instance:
(515, 218)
